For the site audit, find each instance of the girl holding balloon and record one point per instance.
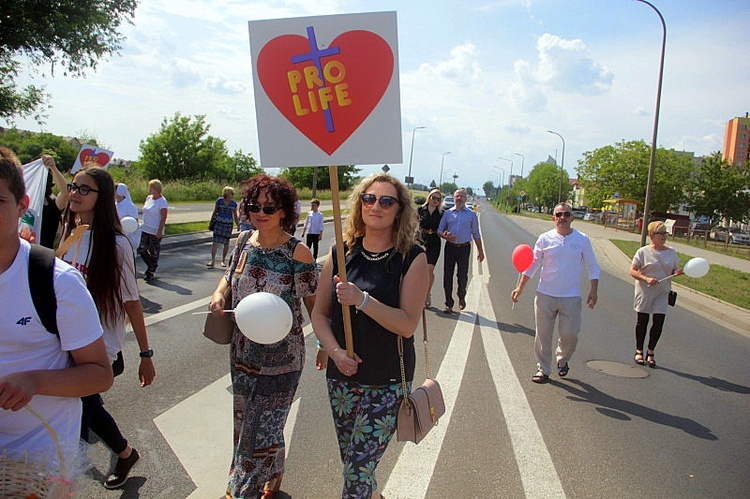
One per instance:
(105, 258)
(651, 268)
(265, 372)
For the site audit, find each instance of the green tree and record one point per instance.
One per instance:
(720, 191)
(182, 149)
(74, 34)
(489, 189)
(543, 185)
(623, 168)
(29, 146)
(241, 166)
(302, 176)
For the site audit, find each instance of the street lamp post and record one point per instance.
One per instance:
(652, 160)
(442, 162)
(411, 153)
(510, 177)
(562, 166)
(522, 160)
(499, 182)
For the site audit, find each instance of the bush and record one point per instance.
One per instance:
(419, 199)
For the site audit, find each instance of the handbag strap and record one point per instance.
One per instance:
(242, 240)
(427, 370)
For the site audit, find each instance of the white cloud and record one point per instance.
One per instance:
(462, 67)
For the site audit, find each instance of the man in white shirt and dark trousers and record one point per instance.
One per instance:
(561, 253)
(314, 227)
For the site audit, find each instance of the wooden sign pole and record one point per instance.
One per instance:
(333, 173)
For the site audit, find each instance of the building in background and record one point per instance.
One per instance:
(737, 140)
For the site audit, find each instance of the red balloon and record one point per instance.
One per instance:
(522, 257)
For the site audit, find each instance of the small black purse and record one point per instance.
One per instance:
(672, 299)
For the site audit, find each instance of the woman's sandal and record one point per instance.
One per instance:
(563, 371)
(638, 360)
(650, 360)
(540, 377)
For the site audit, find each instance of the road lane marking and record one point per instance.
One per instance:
(538, 474)
(199, 429)
(411, 476)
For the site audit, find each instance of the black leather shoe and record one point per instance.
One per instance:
(119, 475)
(461, 304)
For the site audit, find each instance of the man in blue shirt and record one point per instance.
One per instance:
(458, 227)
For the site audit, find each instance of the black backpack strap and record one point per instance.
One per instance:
(42, 287)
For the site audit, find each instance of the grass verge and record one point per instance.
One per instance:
(729, 285)
(187, 227)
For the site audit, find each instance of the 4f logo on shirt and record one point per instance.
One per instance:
(23, 321)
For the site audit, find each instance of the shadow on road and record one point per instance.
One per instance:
(611, 406)
(719, 384)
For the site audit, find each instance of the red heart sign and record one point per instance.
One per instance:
(326, 93)
(101, 158)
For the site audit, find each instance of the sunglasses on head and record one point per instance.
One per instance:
(561, 214)
(83, 190)
(385, 201)
(268, 210)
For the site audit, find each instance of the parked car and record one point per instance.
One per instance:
(579, 214)
(736, 235)
(448, 203)
(589, 216)
(471, 206)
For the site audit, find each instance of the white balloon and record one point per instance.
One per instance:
(696, 267)
(129, 224)
(263, 317)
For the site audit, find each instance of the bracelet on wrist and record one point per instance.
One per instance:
(365, 299)
(320, 346)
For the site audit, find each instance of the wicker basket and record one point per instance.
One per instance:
(30, 477)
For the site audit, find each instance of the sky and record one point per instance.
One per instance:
(486, 78)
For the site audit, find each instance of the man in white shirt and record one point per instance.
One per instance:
(561, 253)
(40, 370)
(314, 227)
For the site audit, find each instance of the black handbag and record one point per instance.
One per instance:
(212, 222)
(672, 299)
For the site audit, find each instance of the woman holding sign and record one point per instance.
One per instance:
(651, 265)
(265, 376)
(387, 284)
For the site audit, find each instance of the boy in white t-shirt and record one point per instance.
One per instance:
(41, 370)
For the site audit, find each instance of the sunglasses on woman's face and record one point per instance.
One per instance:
(436, 198)
(385, 201)
(83, 190)
(268, 210)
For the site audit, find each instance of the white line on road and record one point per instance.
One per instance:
(413, 471)
(538, 474)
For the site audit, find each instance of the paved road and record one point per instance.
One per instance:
(611, 429)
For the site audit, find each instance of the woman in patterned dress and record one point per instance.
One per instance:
(265, 377)
(225, 216)
(387, 284)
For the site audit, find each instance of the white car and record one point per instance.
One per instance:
(589, 216)
(448, 203)
(736, 236)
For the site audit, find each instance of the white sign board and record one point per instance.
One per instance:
(327, 90)
(91, 156)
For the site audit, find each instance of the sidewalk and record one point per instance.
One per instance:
(615, 262)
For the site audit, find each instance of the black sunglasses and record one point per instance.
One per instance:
(83, 190)
(385, 201)
(563, 214)
(268, 210)
(436, 198)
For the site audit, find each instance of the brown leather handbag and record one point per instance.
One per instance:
(420, 411)
(220, 329)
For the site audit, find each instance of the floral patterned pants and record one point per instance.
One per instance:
(365, 421)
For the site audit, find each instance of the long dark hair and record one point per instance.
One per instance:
(104, 274)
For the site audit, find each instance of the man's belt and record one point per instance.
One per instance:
(459, 245)
(428, 231)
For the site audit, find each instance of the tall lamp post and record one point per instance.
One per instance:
(562, 166)
(442, 162)
(522, 160)
(510, 177)
(411, 153)
(652, 161)
(499, 182)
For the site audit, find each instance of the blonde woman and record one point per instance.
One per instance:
(430, 214)
(387, 284)
(225, 217)
(650, 264)
(152, 230)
